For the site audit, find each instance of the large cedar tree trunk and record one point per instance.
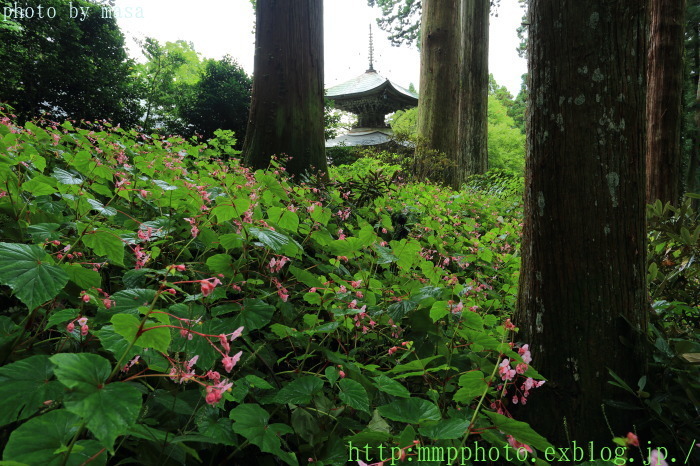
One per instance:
(664, 92)
(286, 113)
(438, 106)
(473, 105)
(582, 293)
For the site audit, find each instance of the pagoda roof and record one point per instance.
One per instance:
(369, 86)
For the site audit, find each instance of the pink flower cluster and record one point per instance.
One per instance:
(276, 263)
(82, 322)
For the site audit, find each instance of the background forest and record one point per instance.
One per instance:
(188, 277)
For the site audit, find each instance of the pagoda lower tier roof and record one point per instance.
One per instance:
(371, 92)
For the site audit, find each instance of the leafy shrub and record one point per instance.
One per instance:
(165, 305)
(670, 394)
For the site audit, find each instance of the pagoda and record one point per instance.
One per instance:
(371, 97)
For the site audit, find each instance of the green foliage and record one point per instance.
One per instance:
(400, 18)
(669, 392)
(193, 311)
(165, 79)
(506, 139)
(506, 143)
(66, 66)
(220, 99)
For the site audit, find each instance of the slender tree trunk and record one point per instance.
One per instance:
(693, 177)
(664, 92)
(286, 113)
(438, 106)
(582, 298)
(474, 82)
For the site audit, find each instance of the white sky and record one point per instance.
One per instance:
(220, 27)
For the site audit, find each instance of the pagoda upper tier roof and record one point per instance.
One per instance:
(355, 94)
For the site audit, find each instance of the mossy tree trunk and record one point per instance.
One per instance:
(664, 93)
(582, 299)
(474, 85)
(453, 104)
(438, 105)
(286, 113)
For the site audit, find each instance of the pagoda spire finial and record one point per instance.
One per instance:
(371, 50)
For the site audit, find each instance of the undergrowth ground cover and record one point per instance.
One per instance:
(162, 304)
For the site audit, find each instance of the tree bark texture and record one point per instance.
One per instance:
(474, 82)
(582, 299)
(286, 114)
(664, 95)
(438, 105)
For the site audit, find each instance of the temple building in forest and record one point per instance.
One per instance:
(371, 97)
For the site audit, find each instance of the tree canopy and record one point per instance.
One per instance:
(74, 69)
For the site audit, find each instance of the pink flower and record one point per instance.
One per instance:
(84, 330)
(224, 343)
(82, 321)
(230, 362)
(525, 353)
(209, 285)
(517, 445)
(505, 371)
(70, 327)
(85, 297)
(237, 333)
(632, 439)
(107, 302)
(356, 283)
(656, 458)
(184, 333)
(214, 392)
(393, 349)
(341, 374)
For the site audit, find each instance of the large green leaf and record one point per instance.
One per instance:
(42, 439)
(41, 232)
(520, 430)
(108, 409)
(472, 385)
(101, 208)
(226, 212)
(410, 410)
(391, 386)
(406, 251)
(66, 177)
(254, 314)
(354, 394)
(221, 263)
(84, 278)
(278, 242)
(299, 391)
(24, 387)
(217, 428)
(446, 429)
(28, 270)
(127, 326)
(40, 185)
(129, 301)
(307, 278)
(251, 421)
(106, 243)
